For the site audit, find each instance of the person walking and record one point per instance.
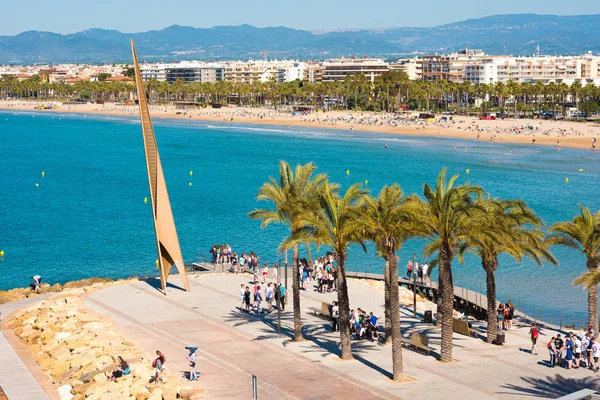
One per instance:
(265, 273)
(269, 294)
(409, 269)
(191, 357)
(335, 317)
(282, 292)
(534, 333)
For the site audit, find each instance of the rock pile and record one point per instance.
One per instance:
(76, 347)
(8, 296)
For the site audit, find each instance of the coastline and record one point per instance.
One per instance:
(567, 134)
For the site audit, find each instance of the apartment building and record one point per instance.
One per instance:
(448, 67)
(313, 73)
(291, 72)
(338, 69)
(559, 69)
(411, 66)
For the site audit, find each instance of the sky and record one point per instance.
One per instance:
(68, 16)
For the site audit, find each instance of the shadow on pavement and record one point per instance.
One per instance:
(155, 284)
(552, 386)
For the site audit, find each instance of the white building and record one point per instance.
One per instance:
(411, 66)
(292, 72)
(338, 69)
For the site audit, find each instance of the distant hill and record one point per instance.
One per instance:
(516, 34)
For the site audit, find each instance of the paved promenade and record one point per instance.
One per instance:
(16, 380)
(234, 346)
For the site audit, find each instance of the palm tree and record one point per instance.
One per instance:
(295, 191)
(509, 227)
(389, 224)
(336, 223)
(583, 234)
(446, 217)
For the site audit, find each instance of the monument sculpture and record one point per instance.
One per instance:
(167, 242)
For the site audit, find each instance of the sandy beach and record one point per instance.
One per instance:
(523, 131)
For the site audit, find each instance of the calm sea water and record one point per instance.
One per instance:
(87, 217)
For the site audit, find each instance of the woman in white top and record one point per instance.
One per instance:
(274, 273)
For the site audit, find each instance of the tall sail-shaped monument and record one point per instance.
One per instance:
(167, 242)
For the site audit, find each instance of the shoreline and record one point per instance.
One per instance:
(559, 134)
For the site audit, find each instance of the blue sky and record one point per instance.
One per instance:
(67, 16)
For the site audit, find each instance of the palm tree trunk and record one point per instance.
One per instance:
(344, 305)
(386, 310)
(310, 260)
(492, 322)
(446, 301)
(296, 297)
(593, 299)
(394, 314)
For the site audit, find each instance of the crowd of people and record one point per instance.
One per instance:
(421, 272)
(573, 351)
(271, 296)
(505, 314)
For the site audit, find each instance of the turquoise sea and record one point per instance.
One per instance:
(88, 218)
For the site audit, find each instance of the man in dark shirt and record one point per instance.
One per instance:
(558, 343)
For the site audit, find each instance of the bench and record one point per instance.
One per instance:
(418, 342)
(322, 312)
(462, 327)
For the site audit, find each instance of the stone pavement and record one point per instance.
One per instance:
(228, 355)
(17, 382)
(235, 345)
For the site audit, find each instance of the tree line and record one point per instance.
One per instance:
(455, 219)
(390, 91)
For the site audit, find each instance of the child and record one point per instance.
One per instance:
(191, 357)
(242, 291)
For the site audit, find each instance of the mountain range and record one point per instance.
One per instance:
(516, 34)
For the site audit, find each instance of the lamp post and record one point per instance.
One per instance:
(286, 274)
(414, 285)
(279, 294)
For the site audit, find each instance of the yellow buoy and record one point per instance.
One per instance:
(85, 116)
(145, 199)
(156, 262)
(580, 169)
(43, 174)
(1, 253)
(190, 184)
(567, 180)
(366, 182)
(347, 172)
(191, 173)
(37, 185)
(468, 171)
